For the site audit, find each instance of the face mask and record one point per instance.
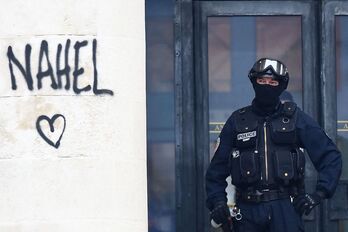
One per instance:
(267, 96)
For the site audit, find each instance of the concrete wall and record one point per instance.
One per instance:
(88, 171)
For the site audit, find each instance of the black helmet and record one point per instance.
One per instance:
(269, 66)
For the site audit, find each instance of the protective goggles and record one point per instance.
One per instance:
(264, 65)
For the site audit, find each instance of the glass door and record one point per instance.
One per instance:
(234, 44)
(230, 37)
(335, 102)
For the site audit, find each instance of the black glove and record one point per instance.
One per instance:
(221, 213)
(305, 203)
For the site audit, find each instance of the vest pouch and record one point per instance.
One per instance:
(235, 168)
(283, 130)
(300, 163)
(244, 167)
(247, 138)
(246, 124)
(249, 167)
(284, 166)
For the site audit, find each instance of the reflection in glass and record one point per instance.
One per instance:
(234, 44)
(161, 181)
(342, 96)
(160, 115)
(342, 85)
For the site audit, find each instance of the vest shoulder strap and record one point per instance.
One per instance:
(244, 119)
(289, 109)
(241, 113)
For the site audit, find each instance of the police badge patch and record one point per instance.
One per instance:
(246, 136)
(235, 154)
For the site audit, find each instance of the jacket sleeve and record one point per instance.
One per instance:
(322, 151)
(218, 170)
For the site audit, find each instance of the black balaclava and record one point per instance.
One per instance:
(267, 97)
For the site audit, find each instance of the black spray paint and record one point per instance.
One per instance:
(51, 124)
(66, 70)
(97, 91)
(56, 77)
(79, 71)
(26, 72)
(49, 72)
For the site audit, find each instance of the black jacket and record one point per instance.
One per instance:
(322, 151)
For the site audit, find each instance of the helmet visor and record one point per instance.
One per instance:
(263, 65)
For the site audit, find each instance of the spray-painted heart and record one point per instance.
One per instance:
(45, 127)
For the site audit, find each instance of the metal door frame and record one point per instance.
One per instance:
(328, 63)
(185, 158)
(252, 8)
(191, 91)
(331, 9)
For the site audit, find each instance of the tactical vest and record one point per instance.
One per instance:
(266, 149)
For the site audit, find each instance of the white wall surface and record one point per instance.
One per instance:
(95, 179)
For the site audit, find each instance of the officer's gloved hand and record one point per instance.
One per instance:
(305, 203)
(221, 213)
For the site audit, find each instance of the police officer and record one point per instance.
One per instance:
(261, 147)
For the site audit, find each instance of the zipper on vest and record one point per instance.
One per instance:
(257, 144)
(266, 155)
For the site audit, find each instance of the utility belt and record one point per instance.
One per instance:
(264, 195)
